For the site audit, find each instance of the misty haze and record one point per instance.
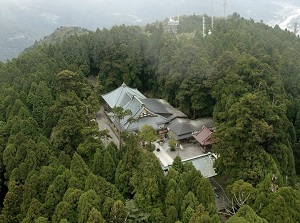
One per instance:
(24, 21)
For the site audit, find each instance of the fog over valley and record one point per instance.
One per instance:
(24, 21)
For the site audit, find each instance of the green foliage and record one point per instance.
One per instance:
(285, 203)
(250, 127)
(247, 215)
(67, 132)
(200, 215)
(64, 210)
(55, 193)
(241, 192)
(172, 143)
(91, 143)
(41, 220)
(86, 202)
(39, 100)
(57, 169)
(95, 217)
(109, 167)
(118, 212)
(148, 182)
(189, 205)
(68, 81)
(157, 215)
(177, 164)
(126, 166)
(148, 134)
(187, 214)
(135, 214)
(11, 207)
(171, 214)
(120, 113)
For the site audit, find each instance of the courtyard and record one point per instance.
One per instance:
(184, 151)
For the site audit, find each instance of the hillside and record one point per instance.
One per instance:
(61, 34)
(54, 166)
(23, 22)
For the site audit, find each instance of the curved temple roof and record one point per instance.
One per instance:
(121, 96)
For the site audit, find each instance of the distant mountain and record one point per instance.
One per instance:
(60, 34)
(22, 22)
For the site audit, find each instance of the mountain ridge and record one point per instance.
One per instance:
(24, 22)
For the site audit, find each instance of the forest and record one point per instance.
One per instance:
(55, 168)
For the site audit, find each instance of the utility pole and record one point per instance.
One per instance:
(224, 5)
(296, 28)
(203, 26)
(212, 14)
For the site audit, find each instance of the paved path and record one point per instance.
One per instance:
(162, 155)
(221, 199)
(104, 123)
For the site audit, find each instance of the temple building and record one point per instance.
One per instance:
(158, 113)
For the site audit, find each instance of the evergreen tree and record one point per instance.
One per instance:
(118, 212)
(95, 217)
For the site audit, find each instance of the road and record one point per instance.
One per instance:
(220, 196)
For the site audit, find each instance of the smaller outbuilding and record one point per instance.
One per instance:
(180, 129)
(204, 137)
(204, 163)
(183, 128)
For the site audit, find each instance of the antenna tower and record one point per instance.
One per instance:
(296, 28)
(224, 5)
(203, 26)
(212, 14)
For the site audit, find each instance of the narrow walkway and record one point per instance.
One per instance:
(162, 155)
(103, 124)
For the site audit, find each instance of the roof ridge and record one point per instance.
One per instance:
(206, 138)
(134, 96)
(133, 90)
(156, 114)
(122, 87)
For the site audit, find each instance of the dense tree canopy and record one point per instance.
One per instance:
(55, 168)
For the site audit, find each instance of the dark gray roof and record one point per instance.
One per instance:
(160, 106)
(155, 121)
(201, 122)
(179, 137)
(156, 105)
(182, 128)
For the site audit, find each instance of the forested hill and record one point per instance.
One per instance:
(55, 168)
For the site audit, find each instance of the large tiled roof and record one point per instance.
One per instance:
(160, 106)
(152, 121)
(142, 114)
(121, 96)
